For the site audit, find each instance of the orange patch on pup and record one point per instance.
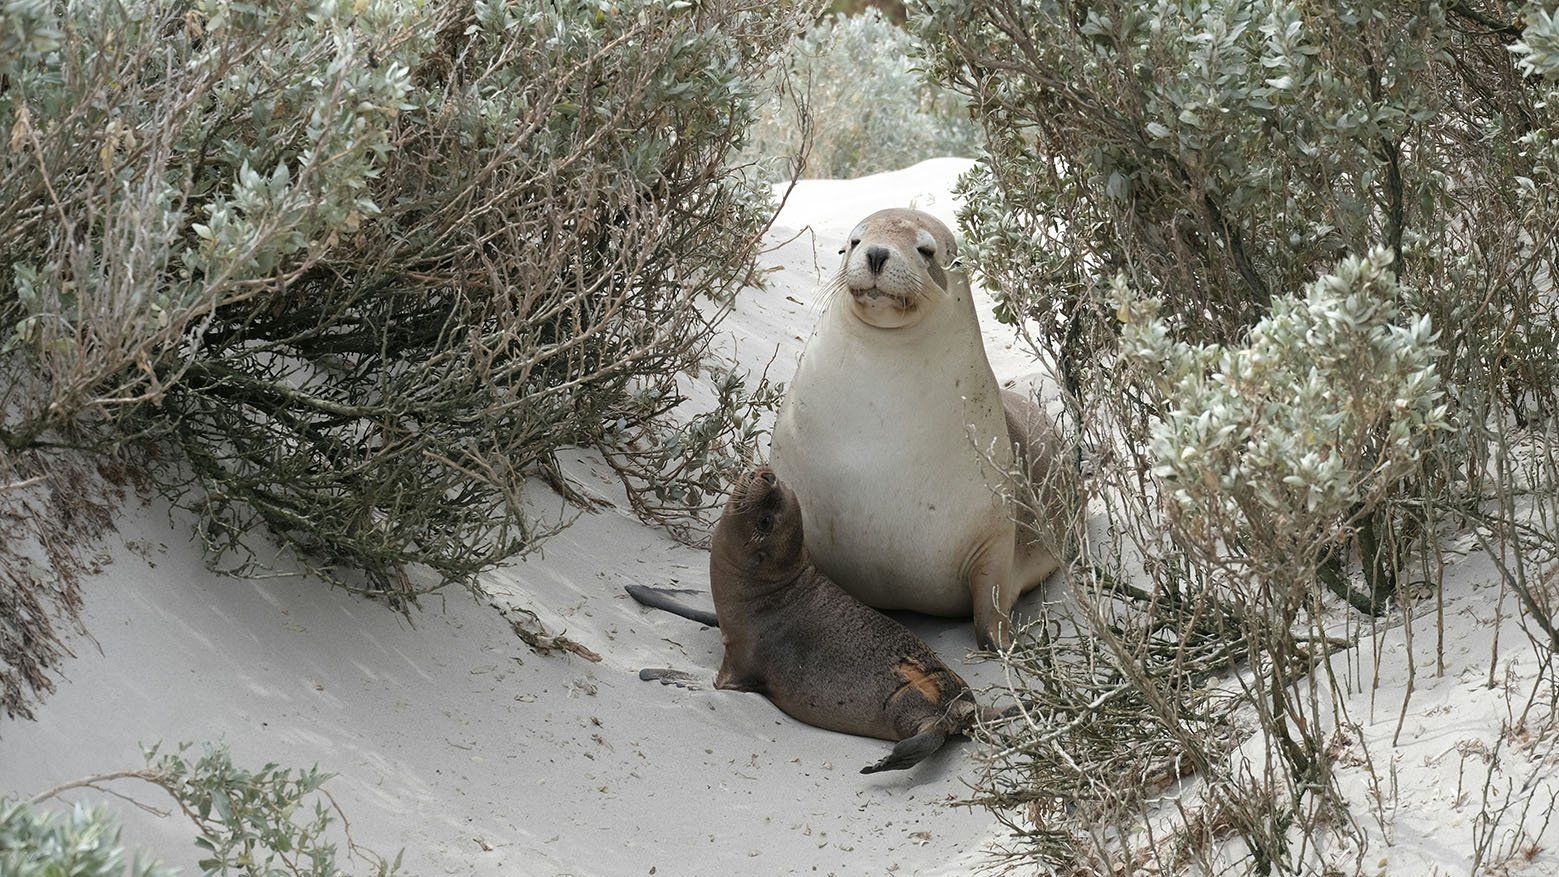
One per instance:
(916, 676)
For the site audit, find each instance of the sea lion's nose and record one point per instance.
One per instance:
(768, 477)
(875, 257)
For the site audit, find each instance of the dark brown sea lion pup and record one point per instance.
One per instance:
(818, 653)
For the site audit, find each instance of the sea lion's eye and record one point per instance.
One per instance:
(766, 522)
(854, 242)
(927, 250)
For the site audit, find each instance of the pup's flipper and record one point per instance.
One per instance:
(909, 751)
(660, 598)
(666, 676)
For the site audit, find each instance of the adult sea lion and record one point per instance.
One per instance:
(819, 654)
(900, 443)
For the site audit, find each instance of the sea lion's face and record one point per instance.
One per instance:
(760, 528)
(893, 267)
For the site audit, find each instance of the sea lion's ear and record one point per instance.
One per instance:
(956, 280)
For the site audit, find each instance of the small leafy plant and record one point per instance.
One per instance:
(78, 842)
(272, 821)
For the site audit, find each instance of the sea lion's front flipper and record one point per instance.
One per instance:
(666, 676)
(909, 752)
(660, 598)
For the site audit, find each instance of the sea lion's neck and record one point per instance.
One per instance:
(733, 582)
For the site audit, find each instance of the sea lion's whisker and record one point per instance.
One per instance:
(928, 290)
(836, 286)
(744, 500)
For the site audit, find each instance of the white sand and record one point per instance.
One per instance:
(453, 741)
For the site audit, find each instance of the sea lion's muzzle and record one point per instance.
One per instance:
(754, 486)
(876, 294)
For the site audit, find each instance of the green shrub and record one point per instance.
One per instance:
(368, 265)
(1221, 153)
(1269, 450)
(269, 822)
(274, 820)
(851, 101)
(79, 843)
(1160, 180)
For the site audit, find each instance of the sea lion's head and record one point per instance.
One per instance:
(895, 266)
(759, 533)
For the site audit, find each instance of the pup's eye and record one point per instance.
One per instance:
(766, 522)
(854, 242)
(927, 250)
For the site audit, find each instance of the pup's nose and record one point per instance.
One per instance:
(875, 257)
(768, 477)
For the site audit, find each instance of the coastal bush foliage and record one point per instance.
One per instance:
(1294, 266)
(269, 822)
(365, 266)
(80, 843)
(851, 99)
(275, 820)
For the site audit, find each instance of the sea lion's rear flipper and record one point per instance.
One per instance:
(665, 676)
(660, 598)
(992, 714)
(909, 752)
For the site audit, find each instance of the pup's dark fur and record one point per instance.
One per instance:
(818, 653)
